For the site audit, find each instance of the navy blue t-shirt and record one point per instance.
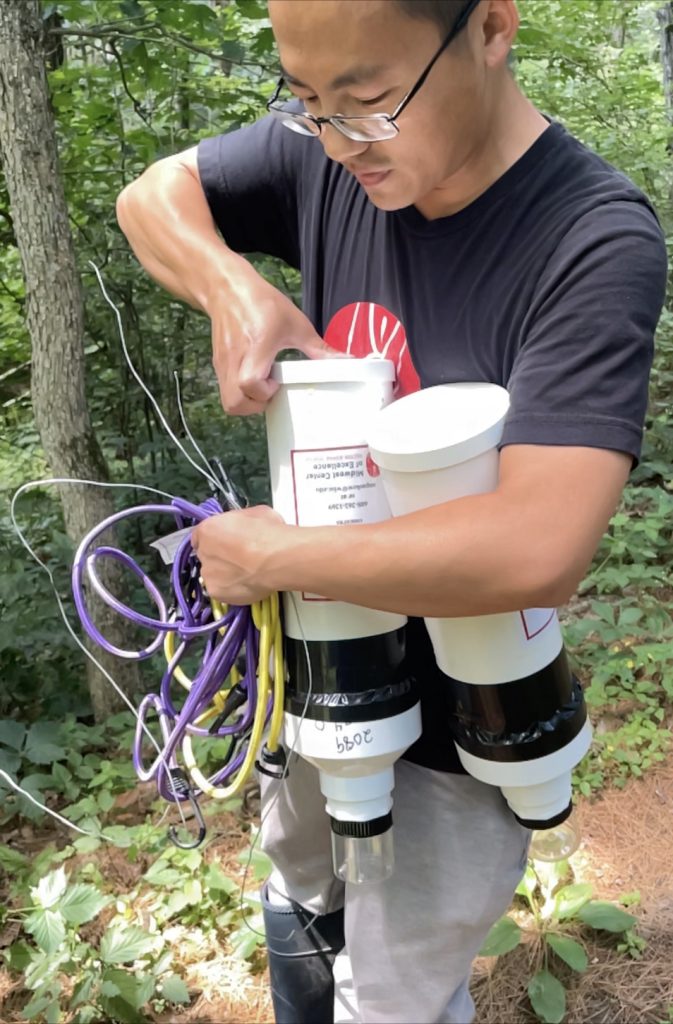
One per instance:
(550, 284)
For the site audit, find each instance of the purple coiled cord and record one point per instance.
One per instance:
(191, 618)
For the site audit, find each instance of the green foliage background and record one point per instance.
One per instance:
(135, 80)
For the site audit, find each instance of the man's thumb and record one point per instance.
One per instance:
(319, 349)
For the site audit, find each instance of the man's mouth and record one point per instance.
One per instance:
(369, 178)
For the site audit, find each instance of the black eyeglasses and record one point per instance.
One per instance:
(363, 127)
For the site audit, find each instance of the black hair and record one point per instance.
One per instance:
(444, 13)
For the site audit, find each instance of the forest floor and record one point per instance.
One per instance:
(626, 846)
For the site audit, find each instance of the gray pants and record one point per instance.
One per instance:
(410, 941)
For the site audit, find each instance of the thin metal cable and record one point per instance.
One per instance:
(183, 420)
(162, 419)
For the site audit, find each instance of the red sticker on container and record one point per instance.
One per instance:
(365, 329)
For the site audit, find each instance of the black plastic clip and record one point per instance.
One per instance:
(235, 699)
(180, 787)
(272, 763)
(234, 498)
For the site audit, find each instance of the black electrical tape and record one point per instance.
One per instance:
(546, 822)
(520, 720)
(362, 829)
(350, 680)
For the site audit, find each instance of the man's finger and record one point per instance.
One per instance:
(259, 390)
(235, 403)
(319, 349)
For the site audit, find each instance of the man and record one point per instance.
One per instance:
(511, 254)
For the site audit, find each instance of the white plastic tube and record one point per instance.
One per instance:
(361, 713)
(435, 446)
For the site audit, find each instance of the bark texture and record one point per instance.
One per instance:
(54, 310)
(665, 18)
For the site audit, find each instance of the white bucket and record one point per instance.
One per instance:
(436, 445)
(322, 474)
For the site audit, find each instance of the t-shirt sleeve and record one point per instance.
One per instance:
(251, 178)
(581, 375)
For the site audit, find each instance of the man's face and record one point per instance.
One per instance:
(379, 52)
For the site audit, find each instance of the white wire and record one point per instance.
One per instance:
(59, 817)
(54, 814)
(82, 646)
(183, 420)
(164, 422)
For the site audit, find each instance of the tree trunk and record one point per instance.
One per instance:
(54, 311)
(665, 18)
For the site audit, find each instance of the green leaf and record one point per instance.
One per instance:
(83, 988)
(134, 991)
(606, 916)
(131, 8)
(40, 746)
(43, 1004)
(527, 885)
(570, 951)
(244, 942)
(12, 733)
(175, 904)
(9, 762)
(88, 1015)
(604, 611)
(86, 844)
(47, 928)
(117, 1009)
(62, 775)
(259, 862)
(252, 8)
(502, 937)
(122, 945)
(193, 891)
(174, 989)
(18, 956)
(217, 881)
(52, 1013)
(120, 835)
(11, 860)
(548, 997)
(105, 800)
(81, 903)
(50, 888)
(570, 898)
(160, 873)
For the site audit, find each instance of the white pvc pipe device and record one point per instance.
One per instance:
(359, 705)
(520, 719)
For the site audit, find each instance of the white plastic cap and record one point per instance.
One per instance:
(333, 371)
(438, 427)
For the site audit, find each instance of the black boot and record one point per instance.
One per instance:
(301, 949)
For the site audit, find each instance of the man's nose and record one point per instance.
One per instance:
(338, 147)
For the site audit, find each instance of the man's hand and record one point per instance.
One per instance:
(234, 549)
(252, 322)
(166, 218)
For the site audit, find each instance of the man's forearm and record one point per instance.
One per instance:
(165, 216)
(527, 544)
(468, 557)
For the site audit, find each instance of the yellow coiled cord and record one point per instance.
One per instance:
(270, 678)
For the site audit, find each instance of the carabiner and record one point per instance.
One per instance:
(181, 787)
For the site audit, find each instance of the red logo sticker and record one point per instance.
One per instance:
(372, 468)
(364, 329)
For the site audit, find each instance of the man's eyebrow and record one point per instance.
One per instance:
(356, 76)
